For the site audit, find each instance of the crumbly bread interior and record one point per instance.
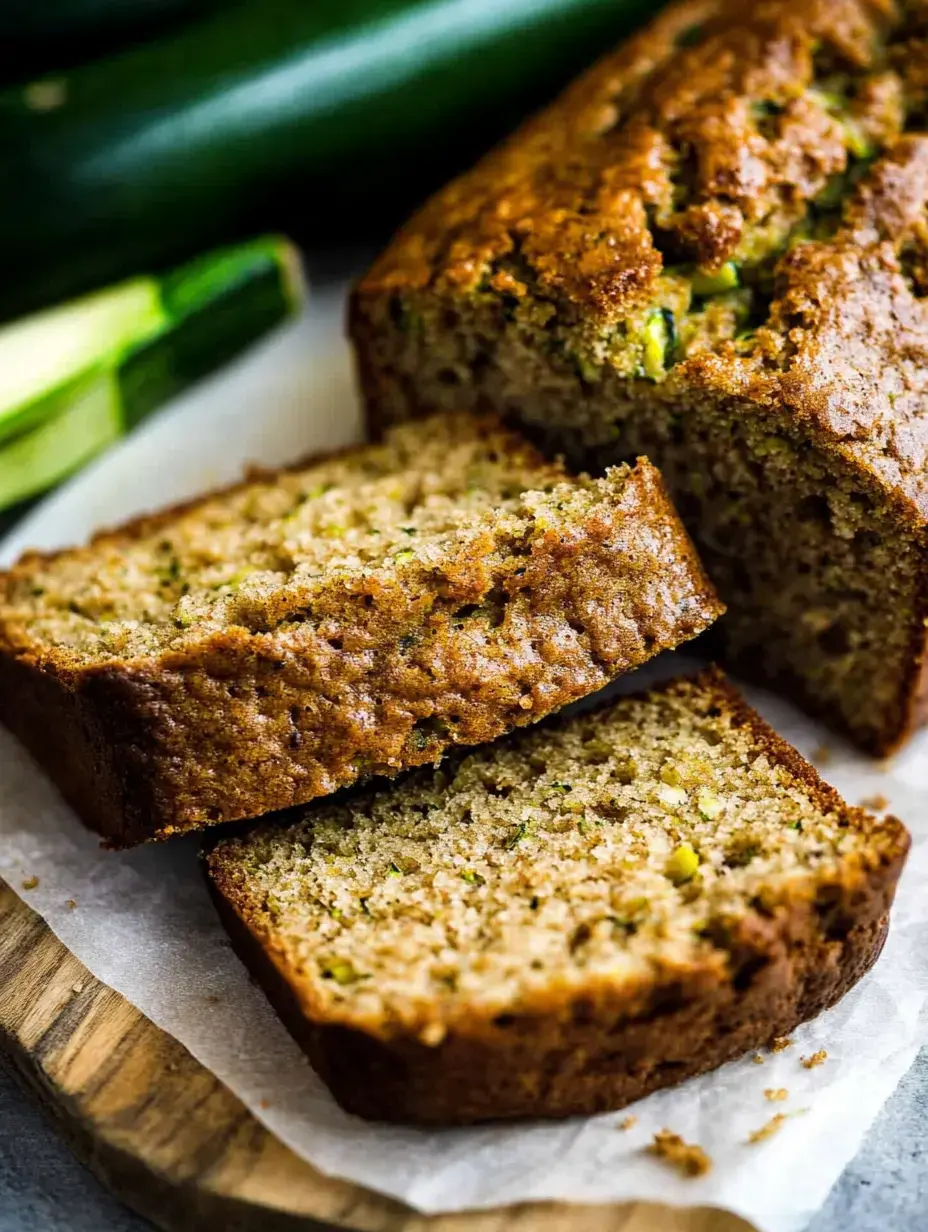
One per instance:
(823, 583)
(605, 848)
(253, 556)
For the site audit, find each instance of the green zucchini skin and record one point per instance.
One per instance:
(324, 118)
(214, 308)
(22, 21)
(219, 305)
(39, 35)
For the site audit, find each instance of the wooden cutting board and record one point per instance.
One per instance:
(177, 1146)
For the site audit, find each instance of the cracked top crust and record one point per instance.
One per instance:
(762, 164)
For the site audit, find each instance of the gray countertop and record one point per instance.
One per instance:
(44, 1189)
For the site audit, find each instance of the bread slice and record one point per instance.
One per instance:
(274, 642)
(712, 250)
(567, 920)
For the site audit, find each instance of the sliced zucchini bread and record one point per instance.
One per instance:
(712, 250)
(274, 642)
(566, 920)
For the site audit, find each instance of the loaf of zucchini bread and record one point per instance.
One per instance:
(713, 250)
(564, 921)
(355, 616)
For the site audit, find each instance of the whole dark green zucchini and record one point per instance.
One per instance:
(322, 117)
(38, 35)
(25, 21)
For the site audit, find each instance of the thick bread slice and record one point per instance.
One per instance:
(567, 920)
(712, 250)
(269, 644)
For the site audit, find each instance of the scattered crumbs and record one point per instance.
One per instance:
(822, 755)
(687, 1157)
(776, 1094)
(77, 986)
(877, 803)
(71, 903)
(816, 1059)
(773, 1126)
(757, 1059)
(212, 999)
(780, 1043)
(628, 1122)
(30, 883)
(264, 1103)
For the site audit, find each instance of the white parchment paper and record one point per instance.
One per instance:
(143, 922)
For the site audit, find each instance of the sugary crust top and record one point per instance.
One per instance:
(779, 138)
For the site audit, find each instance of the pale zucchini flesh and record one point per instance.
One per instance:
(41, 356)
(75, 379)
(90, 422)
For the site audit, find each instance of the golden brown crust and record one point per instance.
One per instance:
(571, 192)
(920, 701)
(584, 204)
(600, 1055)
(584, 1053)
(242, 723)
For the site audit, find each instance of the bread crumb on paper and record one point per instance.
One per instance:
(757, 1059)
(30, 883)
(628, 1122)
(687, 1157)
(773, 1126)
(71, 903)
(816, 1059)
(780, 1043)
(776, 1094)
(877, 803)
(767, 1130)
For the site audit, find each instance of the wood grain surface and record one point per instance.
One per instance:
(178, 1147)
